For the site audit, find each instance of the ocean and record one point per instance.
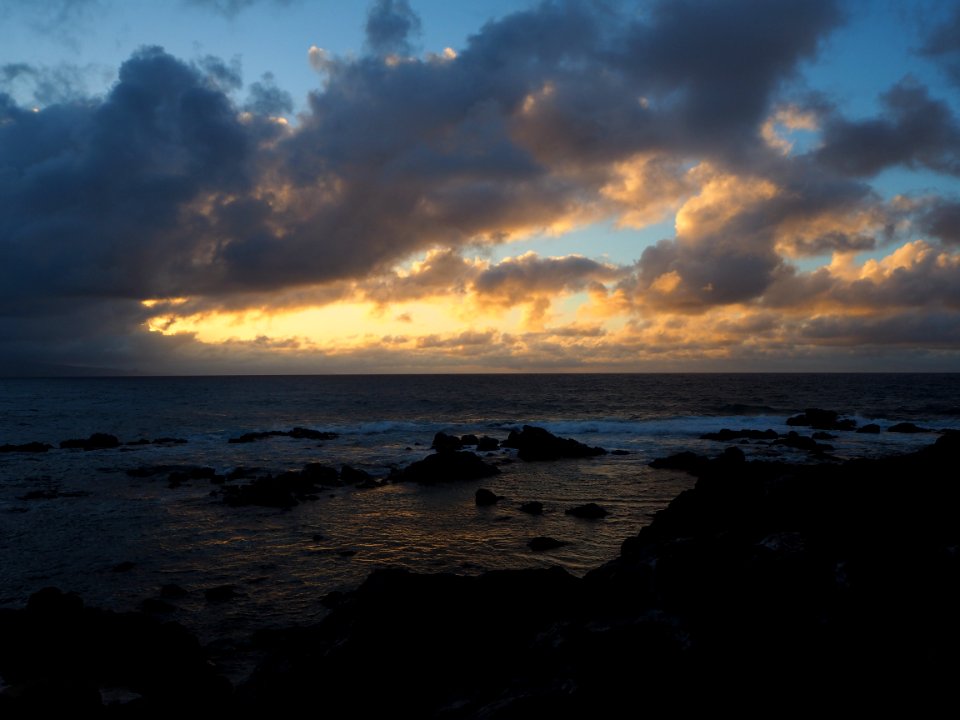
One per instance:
(78, 520)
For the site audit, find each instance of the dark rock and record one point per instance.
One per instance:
(541, 544)
(319, 474)
(53, 494)
(589, 511)
(689, 461)
(221, 594)
(125, 566)
(823, 436)
(821, 420)
(353, 476)
(31, 447)
(871, 429)
(318, 537)
(57, 655)
(157, 606)
(97, 441)
(619, 452)
(537, 444)
(446, 443)
(487, 443)
(470, 440)
(533, 507)
(283, 491)
(907, 427)
(297, 432)
(726, 435)
(346, 552)
(801, 442)
(172, 591)
(308, 434)
(485, 497)
(446, 467)
(779, 576)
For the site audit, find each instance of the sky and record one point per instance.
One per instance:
(295, 186)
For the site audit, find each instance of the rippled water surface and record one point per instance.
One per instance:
(96, 516)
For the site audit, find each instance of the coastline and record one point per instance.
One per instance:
(767, 582)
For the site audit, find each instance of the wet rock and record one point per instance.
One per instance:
(727, 435)
(871, 429)
(446, 467)
(688, 461)
(534, 507)
(446, 443)
(538, 444)
(125, 566)
(821, 420)
(283, 491)
(319, 474)
(57, 655)
(220, 594)
(172, 591)
(907, 427)
(97, 441)
(800, 442)
(487, 444)
(157, 606)
(353, 476)
(469, 440)
(619, 452)
(542, 544)
(484, 497)
(298, 432)
(31, 447)
(589, 511)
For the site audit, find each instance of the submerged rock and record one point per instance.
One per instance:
(485, 497)
(822, 420)
(31, 447)
(589, 511)
(534, 507)
(97, 441)
(543, 543)
(871, 429)
(727, 435)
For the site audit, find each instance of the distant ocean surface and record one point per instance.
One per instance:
(116, 539)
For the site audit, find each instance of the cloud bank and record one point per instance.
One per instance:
(183, 193)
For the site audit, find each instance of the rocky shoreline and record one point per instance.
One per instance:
(770, 587)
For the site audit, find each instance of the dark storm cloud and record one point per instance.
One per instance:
(528, 276)
(943, 44)
(267, 99)
(390, 25)
(942, 220)
(916, 131)
(907, 329)
(164, 188)
(44, 85)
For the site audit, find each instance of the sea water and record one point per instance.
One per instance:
(116, 539)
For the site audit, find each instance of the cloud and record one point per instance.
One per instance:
(916, 131)
(172, 187)
(232, 8)
(390, 25)
(942, 220)
(943, 43)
